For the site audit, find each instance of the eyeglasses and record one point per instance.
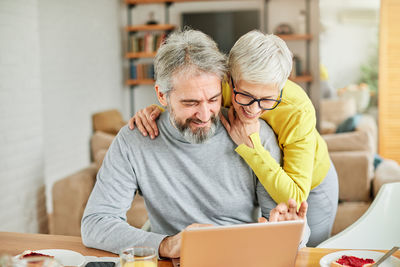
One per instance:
(263, 103)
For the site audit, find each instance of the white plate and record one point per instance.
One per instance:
(390, 262)
(63, 256)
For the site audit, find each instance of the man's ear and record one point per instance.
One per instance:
(162, 98)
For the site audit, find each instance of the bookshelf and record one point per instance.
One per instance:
(143, 42)
(302, 69)
(303, 78)
(308, 57)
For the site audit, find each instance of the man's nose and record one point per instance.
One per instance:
(204, 112)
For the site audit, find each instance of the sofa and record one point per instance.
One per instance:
(352, 153)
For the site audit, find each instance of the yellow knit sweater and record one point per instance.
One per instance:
(305, 155)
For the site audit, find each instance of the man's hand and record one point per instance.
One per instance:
(283, 212)
(145, 120)
(239, 131)
(170, 247)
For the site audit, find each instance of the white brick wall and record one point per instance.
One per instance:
(60, 61)
(21, 120)
(81, 74)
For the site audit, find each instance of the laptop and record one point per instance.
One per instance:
(250, 245)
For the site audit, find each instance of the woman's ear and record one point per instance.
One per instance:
(162, 97)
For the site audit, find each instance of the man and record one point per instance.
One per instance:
(190, 173)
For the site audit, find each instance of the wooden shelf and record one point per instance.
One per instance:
(301, 79)
(140, 81)
(140, 55)
(134, 2)
(295, 37)
(155, 27)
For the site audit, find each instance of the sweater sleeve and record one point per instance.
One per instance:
(104, 224)
(294, 179)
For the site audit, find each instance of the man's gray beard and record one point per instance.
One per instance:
(200, 135)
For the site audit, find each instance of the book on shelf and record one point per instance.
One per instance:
(142, 71)
(296, 67)
(149, 42)
(133, 72)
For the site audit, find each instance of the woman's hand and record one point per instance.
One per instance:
(287, 212)
(239, 132)
(145, 120)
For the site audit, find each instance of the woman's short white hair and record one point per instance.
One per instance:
(188, 52)
(260, 58)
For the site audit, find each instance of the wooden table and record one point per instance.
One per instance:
(16, 243)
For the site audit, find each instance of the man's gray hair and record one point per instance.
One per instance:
(189, 51)
(260, 58)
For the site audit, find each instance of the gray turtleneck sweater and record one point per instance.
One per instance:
(182, 183)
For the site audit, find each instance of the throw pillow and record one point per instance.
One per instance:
(349, 125)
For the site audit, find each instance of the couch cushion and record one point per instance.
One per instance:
(387, 172)
(100, 141)
(69, 196)
(368, 125)
(355, 171)
(327, 127)
(351, 141)
(337, 110)
(109, 121)
(99, 157)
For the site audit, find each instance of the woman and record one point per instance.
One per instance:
(260, 65)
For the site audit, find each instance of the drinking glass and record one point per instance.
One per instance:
(138, 257)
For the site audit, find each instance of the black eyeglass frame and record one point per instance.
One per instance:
(255, 99)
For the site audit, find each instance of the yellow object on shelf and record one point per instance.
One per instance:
(323, 73)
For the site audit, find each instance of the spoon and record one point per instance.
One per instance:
(384, 257)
